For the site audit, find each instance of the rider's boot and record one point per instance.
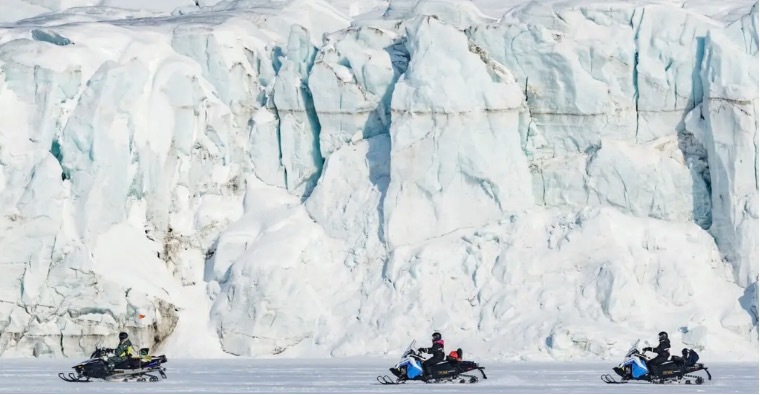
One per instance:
(426, 374)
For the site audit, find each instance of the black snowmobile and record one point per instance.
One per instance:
(635, 367)
(140, 368)
(447, 371)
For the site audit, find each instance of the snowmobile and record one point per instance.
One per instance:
(447, 371)
(133, 369)
(677, 370)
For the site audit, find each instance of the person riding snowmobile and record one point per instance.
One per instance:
(687, 359)
(122, 352)
(662, 350)
(690, 357)
(438, 355)
(455, 356)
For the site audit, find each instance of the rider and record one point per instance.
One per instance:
(690, 357)
(687, 359)
(123, 351)
(438, 355)
(455, 356)
(662, 350)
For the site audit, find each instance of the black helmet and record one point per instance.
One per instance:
(663, 336)
(436, 336)
(123, 336)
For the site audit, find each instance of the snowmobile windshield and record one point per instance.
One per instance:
(634, 348)
(408, 349)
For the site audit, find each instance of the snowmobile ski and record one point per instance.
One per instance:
(71, 378)
(386, 380)
(611, 380)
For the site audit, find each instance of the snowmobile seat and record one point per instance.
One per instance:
(666, 364)
(132, 362)
(677, 360)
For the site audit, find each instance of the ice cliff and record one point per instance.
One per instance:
(552, 179)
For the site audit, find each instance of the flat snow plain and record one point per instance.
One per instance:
(351, 375)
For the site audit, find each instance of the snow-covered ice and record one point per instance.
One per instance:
(545, 179)
(352, 375)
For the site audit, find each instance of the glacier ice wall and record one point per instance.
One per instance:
(444, 170)
(584, 89)
(730, 111)
(109, 188)
(726, 122)
(274, 178)
(352, 84)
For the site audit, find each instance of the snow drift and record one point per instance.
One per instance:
(327, 178)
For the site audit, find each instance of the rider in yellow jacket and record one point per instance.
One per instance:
(123, 351)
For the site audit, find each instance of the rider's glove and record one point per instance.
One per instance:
(645, 349)
(421, 349)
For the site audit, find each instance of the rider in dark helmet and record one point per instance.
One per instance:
(687, 359)
(438, 355)
(690, 357)
(123, 351)
(662, 350)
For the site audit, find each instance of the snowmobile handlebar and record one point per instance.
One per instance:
(414, 353)
(100, 352)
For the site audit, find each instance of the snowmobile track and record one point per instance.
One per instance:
(460, 379)
(698, 380)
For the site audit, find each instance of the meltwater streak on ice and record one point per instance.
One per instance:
(351, 375)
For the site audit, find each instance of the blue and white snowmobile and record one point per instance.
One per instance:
(409, 368)
(139, 368)
(677, 370)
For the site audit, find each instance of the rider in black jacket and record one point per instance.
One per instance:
(662, 350)
(438, 355)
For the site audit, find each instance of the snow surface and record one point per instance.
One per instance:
(538, 180)
(244, 375)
